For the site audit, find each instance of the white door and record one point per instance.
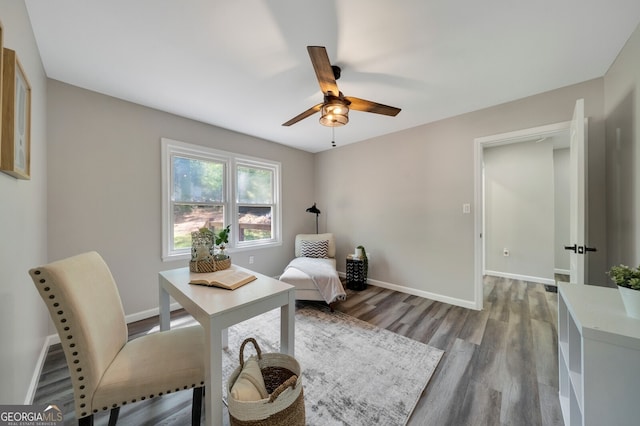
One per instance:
(577, 196)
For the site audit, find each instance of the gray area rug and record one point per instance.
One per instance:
(353, 372)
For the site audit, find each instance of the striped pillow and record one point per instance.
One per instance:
(317, 249)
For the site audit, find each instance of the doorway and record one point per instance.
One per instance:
(555, 135)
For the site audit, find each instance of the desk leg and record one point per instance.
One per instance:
(225, 338)
(213, 375)
(287, 325)
(165, 312)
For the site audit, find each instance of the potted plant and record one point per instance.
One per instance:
(222, 238)
(363, 252)
(628, 282)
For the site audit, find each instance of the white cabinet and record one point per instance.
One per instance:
(598, 357)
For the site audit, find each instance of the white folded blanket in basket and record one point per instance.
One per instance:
(249, 386)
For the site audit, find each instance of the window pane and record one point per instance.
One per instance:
(255, 186)
(191, 217)
(197, 180)
(254, 223)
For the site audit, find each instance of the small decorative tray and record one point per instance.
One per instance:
(209, 266)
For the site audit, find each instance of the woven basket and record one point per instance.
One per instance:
(209, 266)
(285, 405)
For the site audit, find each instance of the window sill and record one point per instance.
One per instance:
(230, 251)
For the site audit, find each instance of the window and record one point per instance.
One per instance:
(204, 187)
(255, 202)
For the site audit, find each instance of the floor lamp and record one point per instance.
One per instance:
(314, 209)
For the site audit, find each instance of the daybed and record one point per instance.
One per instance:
(313, 271)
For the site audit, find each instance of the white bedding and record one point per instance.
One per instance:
(314, 274)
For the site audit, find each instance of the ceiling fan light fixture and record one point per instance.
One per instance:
(334, 114)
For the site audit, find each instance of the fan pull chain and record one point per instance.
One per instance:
(333, 137)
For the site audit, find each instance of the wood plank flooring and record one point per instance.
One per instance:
(500, 365)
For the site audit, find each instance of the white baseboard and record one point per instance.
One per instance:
(562, 271)
(469, 304)
(547, 281)
(149, 313)
(33, 385)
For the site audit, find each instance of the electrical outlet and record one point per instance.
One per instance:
(505, 252)
(251, 260)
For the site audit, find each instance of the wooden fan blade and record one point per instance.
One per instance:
(324, 72)
(304, 115)
(368, 106)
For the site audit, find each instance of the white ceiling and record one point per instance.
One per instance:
(243, 65)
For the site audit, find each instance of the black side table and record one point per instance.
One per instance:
(357, 273)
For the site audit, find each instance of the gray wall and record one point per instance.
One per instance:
(519, 210)
(23, 226)
(401, 195)
(622, 107)
(104, 187)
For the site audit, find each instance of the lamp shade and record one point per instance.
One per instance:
(334, 114)
(313, 209)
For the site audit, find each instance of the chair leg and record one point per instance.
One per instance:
(86, 421)
(113, 416)
(196, 410)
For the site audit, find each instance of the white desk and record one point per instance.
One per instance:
(217, 309)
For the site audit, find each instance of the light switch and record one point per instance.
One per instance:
(466, 208)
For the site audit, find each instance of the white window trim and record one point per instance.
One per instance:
(231, 160)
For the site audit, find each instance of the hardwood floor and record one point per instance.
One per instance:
(500, 365)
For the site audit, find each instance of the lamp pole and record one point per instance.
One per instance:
(313, 209)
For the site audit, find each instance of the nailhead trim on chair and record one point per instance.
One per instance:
(71, 344)
(76, 360)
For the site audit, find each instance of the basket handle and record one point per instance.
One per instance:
(255, 345)
(291, 382)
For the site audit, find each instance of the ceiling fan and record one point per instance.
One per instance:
(335, 108)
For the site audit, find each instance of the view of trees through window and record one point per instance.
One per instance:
(197, 180)
(198, 195)
(198, 199)
(255, 199)
(254, 223)
(189, 217)
(255, 185)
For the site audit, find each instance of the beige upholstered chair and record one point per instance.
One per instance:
(106, 370)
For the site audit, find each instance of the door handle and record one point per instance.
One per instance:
(580, 249)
